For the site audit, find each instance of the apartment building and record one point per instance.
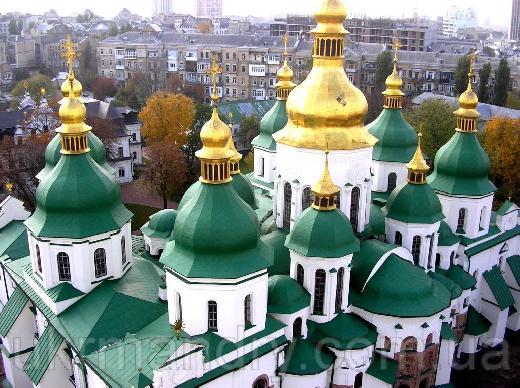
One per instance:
(51, 49)
(209, 8)
(249, 64)
(293, 25)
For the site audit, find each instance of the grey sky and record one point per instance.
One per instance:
(489, 12)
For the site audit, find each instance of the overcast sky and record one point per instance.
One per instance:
(494, 12)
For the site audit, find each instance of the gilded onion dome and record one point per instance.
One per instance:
(322, 230)
(461, 165)
(397, 139)
(285, 77)
(417, 167)
(326, 104)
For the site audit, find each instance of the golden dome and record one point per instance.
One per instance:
(237, 156)
(215, 135)
(285, 76)
(393, 93)
(73, 129)
(325, 190)
(77, 88)
(468, 99)
(417, 167)
(327, 104)
(467, 113)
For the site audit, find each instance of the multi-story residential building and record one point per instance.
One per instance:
(162, 7)
(514, 27)
(209, 8)
(4, 25)
(414, 35)
(293, 25)
(51, 48)
(458, 19)
(21, 51)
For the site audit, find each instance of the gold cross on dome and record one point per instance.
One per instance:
(472, 58)
(285, 40)
(69, 53)
(397, 46)
(214, 71)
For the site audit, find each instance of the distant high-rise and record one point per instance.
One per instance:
(162, 7)
(514, 28)
(209, 8)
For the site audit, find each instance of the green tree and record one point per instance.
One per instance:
(502, 82)
(513, 101)
(461, 75)
(113, 30)
(13, 27)
(193, 144)
(88, 65)
(436, 117)
(483, 87)
(34, 85)
(250, 128)
(135, 92)
(383, 70)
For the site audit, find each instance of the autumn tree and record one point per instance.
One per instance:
(205, 27)
(461, 75)
(501, 140)
(106, 131)
(167, 117)
(166, 172)
(34, 85)
(483, 87)
(250, 128)
(103, 87)
(20, 161)
(135, 92)
(438, 121)
(174, 84)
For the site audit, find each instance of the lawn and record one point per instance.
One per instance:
(141, 214)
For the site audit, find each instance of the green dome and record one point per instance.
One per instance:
(77, 199)
(189, 194)
(216, 235)
(277, 252)
(462, 167)
(303, 358)
(274, 120)
(446, 236)
(377, 221)
(286, 296)
(53, 154)
(244, 189)
(397, 140)
(414, 204)
(322, 234)
(395, 283)
(450, 285)
(161, 224)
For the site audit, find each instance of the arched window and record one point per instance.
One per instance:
(300, 274)
(297, 328)
(461, 222)
(287, 193)
(247, 310)
(409, 344)
(452, 258)
(358, 380)
(261, 382)
(212, 315)
(339, 288)
(306, 198)
(63, 266)
(100, 262)
(123, 250)
(429, 339)
(179, 307)
(392, 181)
(38, 259)
(416, 249)
(483, 213)
(388, 344)
(501, 263)
(354, 207)
(438, 260)
(319, 291)
(398, 240)
(430, 251)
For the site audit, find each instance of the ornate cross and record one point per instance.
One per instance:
(397, 46)
(472, 58)
(69, 53)
(285, 40)
(214, 71)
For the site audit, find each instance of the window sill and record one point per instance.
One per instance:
(102, 280)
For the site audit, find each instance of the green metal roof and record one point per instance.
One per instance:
(450, 285)
(344, 332)
(64, 291)
(414, 204)
(78, 199)
(365, 259)
(377, 221)
(272, 122)
(276, 252)
(446, 237)
(216, 235)
(501, 238)
(397, 140)
(395, 283)
(244, 108)
(506, 207)
(447, 333)
(43, 354)
(161, 224)
(13, 240)
(12, 310)
(383, 368)
(325, 234)
(462, 167)
(244, 189)
(457, 274)
(303, 358)
(286, 296)
(476, 323)
(514, 264)
(140, 381)
(499, 288)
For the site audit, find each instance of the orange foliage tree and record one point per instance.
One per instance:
(501, 140)
(167, 117)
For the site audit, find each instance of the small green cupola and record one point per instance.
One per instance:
(397, 139)
(160, 224)
(461, 165)
(216, 234)
(414, 201)
(77, 198)
(322, 230)
(276, 118)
